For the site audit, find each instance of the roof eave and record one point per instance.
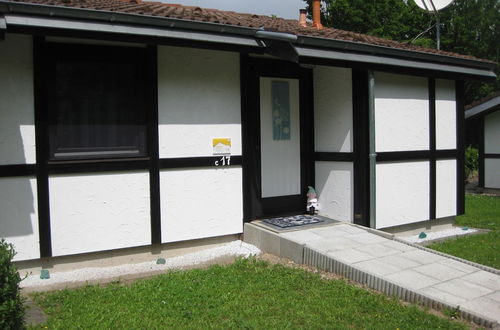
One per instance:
(484, 108)
(8, 7)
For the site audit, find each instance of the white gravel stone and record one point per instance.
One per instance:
(236, 248)
(455, 231)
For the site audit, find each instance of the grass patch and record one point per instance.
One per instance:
(481, 212)
(247, 294)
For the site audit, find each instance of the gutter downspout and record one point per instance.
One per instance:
(372, 152)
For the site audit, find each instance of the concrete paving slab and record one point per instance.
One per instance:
(399, 261)
(439, 271)
(461, 266)
(494, 296)
(332, 244)
(485, 279)
(367, 238)
(412, 279)
(484, 306)
(301, 236)
(399, 246)
(463, 288)
(377, 267)
(350, 229)
(349, 256)
(422, 257)
(378, 250)
(443, 296)
(328, 232)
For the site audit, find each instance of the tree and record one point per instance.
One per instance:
(469, 27)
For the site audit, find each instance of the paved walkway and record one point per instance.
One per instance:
(396, 268)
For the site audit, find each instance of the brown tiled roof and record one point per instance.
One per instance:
(483, 100)
(268, 23)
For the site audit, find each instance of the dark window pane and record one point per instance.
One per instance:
(98, 109)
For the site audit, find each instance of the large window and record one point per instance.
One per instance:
(97, 106)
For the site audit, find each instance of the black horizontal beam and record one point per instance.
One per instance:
(491, 155)
(17, 170)
(334, 156)
(217, 161)
(393, 156)
(116, 165)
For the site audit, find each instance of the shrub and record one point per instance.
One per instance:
(11, 302)
(471, 161)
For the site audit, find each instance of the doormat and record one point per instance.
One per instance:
(293, 221)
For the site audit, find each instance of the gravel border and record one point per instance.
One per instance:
(96, 275)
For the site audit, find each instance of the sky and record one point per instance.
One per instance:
(280, 8)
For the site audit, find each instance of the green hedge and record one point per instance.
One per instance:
(11, 302)
(471, 161)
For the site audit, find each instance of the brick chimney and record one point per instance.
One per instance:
(317, 14)
(302, 17)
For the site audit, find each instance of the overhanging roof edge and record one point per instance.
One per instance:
(483, 108)
(482, 69)
(382, 60)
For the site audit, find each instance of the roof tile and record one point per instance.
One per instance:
(168, 10)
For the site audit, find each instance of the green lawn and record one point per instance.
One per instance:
(481, 212)
(248, 294)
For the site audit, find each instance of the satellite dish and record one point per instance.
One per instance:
(432, 5)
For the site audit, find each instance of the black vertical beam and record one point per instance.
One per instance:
(307, 122)
(361, 148)
(153, 147)
(480, 133)
(40, 67)
(459, 97)
(432, 148)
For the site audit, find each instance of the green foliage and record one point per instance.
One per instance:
(467, 27)
(480, 212)
(249, 294)
(11, 302)
(471, 161)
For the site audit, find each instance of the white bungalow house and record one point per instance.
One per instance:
(109, 111)
(483, 117)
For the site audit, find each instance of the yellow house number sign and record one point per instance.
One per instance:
(222, 146)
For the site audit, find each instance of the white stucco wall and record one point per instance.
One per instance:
(17, 129)
(492, 173)
(198, 99)
(99, 211)
(401, 112)
(332, 109)
(492, 133)
(446, 188)
(402, 193)
(492, 146)
(334, 185)
(19, 216)
(199, 203)
(446, 113)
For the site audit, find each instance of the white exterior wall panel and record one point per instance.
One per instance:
(17, 124)
(198, 100)
(402, 193)
(19, 216)
(401, 112)
(492, 134)
(492, 173)
(332, 109)
(200, 203)
(334, 185)
(446, 115)
(101, 211)
(446, 188)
